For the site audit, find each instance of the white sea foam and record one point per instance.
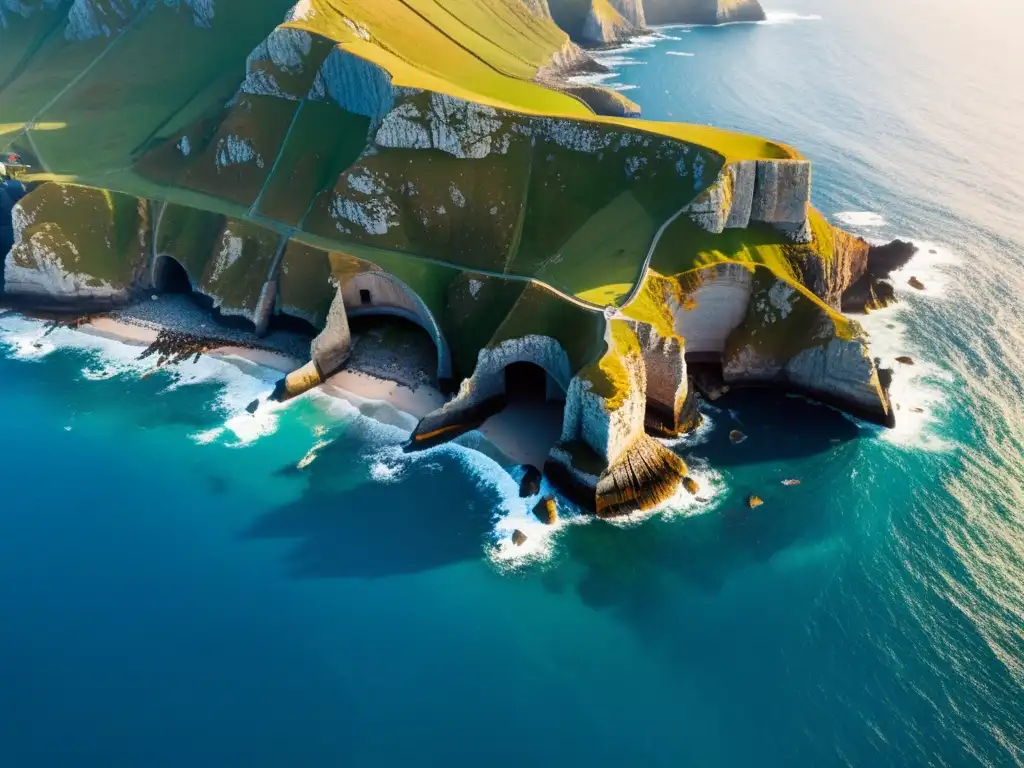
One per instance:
(593, 79)
(240, 381)
(700, 435)
(932, 269)
(612, 60)
(680, 53)
(682, 504)
(860, 219)
(917, 390)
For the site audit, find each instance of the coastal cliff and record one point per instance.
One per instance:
(323, 177)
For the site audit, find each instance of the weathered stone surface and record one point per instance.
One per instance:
(754, 501)
(518, 538)
(905, 360)
(916, 284)
(69, 250)
(332, 347)
(691, 486)
(870, 289)
(669, 412)
(715, 308)
(789, 341)
(632, 11)
(782, 192)
(354, 84)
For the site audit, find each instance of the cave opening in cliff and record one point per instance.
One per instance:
(283, 322)
(171, 277)
(526, 382)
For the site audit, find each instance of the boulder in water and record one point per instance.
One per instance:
(252, 407)
(691, 486)
(754, 501)
(546, 511)
(530, 484)
(518, 537)
(905, 360)
(737, 437)
(915, 284)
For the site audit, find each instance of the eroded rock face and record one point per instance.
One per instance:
(71, 250)
(671, 409)
(632, 11)
(789, 341)
(776, 192)
(714, 309)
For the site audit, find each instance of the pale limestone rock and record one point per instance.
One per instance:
(285, 49)
(782, 193)
(715, 309)
(330, 350)
(354, 84)
(460, 128)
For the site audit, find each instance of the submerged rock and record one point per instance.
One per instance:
(754, 501)
(518, 537)
(546, 511)
(790, 483)
(530, 484)
(252, 407)
(737, 437)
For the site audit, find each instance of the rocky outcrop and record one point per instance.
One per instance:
(77, 248)
(702, 11)
(632, 11)
(329, 352)
(671, 403)
(871, 288)
(605, 460)
(789, 341)
(594, 22)
(604, 101)
(776, 192)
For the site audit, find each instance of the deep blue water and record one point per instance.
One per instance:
(173, 592)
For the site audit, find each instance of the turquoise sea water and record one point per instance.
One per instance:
(173, 592)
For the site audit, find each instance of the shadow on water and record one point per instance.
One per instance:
(347, 523)
(775, 428)
(634, 571)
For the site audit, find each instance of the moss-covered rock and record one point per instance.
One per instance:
(77, 248)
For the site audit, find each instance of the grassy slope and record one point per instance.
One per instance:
(485, 51)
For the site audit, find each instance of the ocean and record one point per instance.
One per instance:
(174, 592)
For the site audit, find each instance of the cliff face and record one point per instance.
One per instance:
(352, 158)
(77, 248)
(702, 11)
(597, 22)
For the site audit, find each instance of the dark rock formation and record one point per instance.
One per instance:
(518, 538)
(754, 501)
(691, 486)
(916, 284)
(643, 477)
(546, 511)
(530, 484)
(905, 360)
(871, 290)
(737, 437)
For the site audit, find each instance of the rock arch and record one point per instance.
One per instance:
(483, 393)
(713, 311)
(378, 293)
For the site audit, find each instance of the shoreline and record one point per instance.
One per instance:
(516, 436)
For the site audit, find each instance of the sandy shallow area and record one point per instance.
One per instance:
(522, 434)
